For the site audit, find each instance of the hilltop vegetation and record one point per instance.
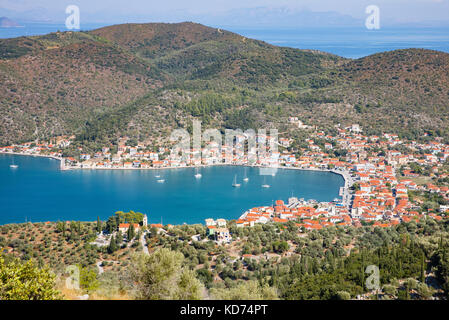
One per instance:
(143, 80)
(399, 89)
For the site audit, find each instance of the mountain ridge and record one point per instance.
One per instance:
(76, 82)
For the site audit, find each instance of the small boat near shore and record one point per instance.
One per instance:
(161, 180)
(198, 175)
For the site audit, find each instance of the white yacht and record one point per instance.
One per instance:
(235, 184)
(265, 185)
(198, 175)
(161, 180)
(246, 179)
(13, 165)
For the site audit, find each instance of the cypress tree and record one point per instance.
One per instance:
(131, 233)
(119, 238)
(301, 266)
(407, 293)
(112, 245)
(314, 266)
(423, 269)
(408, 241)
(362, 278)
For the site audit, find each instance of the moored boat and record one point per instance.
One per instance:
(235, 184)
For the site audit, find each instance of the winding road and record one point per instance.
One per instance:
(144, 245)
(100, 268)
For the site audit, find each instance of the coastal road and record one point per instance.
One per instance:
(349, 181)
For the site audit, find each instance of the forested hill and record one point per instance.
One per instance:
(143, 80)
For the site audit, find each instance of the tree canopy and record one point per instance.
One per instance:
(25, 281)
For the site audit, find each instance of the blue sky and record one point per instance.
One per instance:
(234, 11)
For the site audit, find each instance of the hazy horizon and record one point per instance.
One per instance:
(233, 13)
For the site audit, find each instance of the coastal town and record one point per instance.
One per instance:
(200, 158)
(379, 176)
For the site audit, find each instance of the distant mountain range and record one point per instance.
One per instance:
(280, 17)
(143, 80)
(8, 23)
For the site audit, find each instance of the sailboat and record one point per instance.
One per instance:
(13, 165)
(246, 179)
(265, 185)
(235, 184)
(198, 175)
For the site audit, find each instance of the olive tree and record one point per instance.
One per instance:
(162, 276)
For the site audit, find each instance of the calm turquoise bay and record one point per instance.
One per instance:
(39, 191)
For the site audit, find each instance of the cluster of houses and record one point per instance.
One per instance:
(35, 149)
(379, 197)
(307, 214)
(127, 157)
(212, 154)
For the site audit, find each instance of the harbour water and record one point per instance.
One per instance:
(39, 191)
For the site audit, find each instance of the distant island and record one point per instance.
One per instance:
(8, 23)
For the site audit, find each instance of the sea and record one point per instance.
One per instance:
(349, 42)
(38, 191)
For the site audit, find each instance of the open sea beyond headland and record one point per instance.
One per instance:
(39, 191)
